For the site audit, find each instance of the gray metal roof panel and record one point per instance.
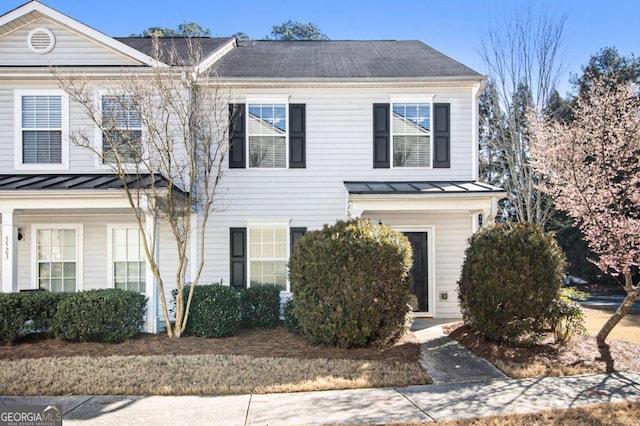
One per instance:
(339, 59)
(422, 187)
(73, 181)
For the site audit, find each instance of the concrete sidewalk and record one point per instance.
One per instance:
(411, 404)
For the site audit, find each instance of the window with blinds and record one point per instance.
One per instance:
(122, 130)
(41, 129)
(129, 272)
(267, 130)
(411, 129)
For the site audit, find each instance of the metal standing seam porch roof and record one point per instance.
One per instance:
(423, 187)
(27, 182)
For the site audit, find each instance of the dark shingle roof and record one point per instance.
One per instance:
(339, 59)
(74, 181)
(180, 44)
(425, 187)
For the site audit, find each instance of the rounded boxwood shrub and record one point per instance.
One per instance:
(510, 281)
(214, 311)
(26, 312)
(107, 315)
(350, 282)
(260, 307)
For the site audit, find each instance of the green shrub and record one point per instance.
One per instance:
(260, 307)
(567, 318)
(214, 312)
(510, 280)
(290, 320)
(350, 284)
(106, 315)
(22, 313)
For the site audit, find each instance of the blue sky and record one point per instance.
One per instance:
(454, 27)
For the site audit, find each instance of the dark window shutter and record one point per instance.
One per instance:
(238, 249)
(381, 136)
(237, 136)
(297, 136)
(442, 136)
(295, 234)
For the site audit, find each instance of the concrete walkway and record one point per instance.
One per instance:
(446, 360)
(410, 404)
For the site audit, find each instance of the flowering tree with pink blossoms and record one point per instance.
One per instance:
(591, 168)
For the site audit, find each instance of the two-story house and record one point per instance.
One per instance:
(321, 131)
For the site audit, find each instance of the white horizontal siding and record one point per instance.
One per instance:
(94, 241)
(451, 232)
(70, 49)
(339, 128)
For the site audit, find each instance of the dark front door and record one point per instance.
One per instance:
(419, 286)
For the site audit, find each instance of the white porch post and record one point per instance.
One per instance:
(151, 287)
(9, 252)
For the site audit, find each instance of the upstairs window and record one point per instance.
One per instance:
(411, 134)
(267, 131)
(41, 129)
(122, 130)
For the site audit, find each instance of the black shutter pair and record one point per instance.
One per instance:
(382, 136)
(238, 136)
(238, 250)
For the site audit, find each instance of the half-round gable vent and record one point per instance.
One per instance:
(41, 40)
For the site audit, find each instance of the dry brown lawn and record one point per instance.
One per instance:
(254, 361)
(625, 413)
(627, 330)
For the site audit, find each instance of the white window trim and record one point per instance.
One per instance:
(110, 228)
(269, 223)
(79, 251)
(268, 100)
(17, 124)
(98, 147)
(411, 99)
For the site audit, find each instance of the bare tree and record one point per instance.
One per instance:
(164, 135)
(522, 57)
(592, 170)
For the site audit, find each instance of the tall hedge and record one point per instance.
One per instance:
(106, 315)
(511, 278)
(350, 284)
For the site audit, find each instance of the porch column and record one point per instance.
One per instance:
(151, 288)
(9, 252)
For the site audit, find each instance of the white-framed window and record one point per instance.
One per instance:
(411, 134)
(57, 257)
(121, 130)
(41, 124)
(127, 265)
(268, 255)
(267, 135)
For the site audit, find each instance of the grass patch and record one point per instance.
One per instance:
(623, 413)
(198, 375)
(627, 330)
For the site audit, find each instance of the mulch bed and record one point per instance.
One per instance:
(580, 352)
(278, 343)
